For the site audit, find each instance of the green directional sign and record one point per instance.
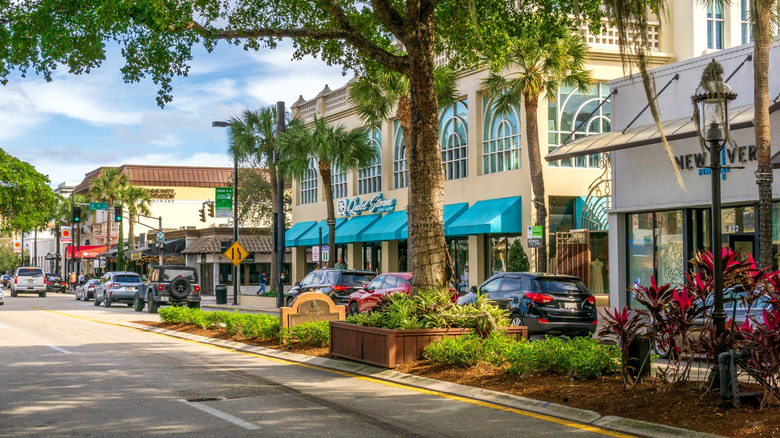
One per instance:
(98, 206)
(223, 203)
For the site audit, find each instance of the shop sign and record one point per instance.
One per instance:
(355, 207)
(65, 235)
(17, 246)
(223, 204)
(535, 236)
(729, 156)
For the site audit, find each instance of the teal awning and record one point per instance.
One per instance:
(452, 212)
(492, 216)
(312, 237)
(392, 226)
(292, 235)
(354, 229)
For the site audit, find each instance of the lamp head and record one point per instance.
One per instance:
(713, 100)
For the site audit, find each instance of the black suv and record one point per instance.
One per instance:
(169, 284)
(338, 284)
(54, 283)
(545, 303)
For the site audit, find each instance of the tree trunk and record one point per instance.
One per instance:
(430, 261)
(35, 247)
(537, 177)
(762, 15)
(327, 188)
(274, 209)
(130, 231)
(57, 229)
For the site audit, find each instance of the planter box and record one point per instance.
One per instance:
(390, 348)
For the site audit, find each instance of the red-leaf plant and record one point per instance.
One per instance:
(621, 327)
(763, 341)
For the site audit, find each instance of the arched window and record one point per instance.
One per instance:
(338, 180)
(570, 110)
(400, 177)
(501, 139)
(453, 136)
(370, 177)
(309, 183)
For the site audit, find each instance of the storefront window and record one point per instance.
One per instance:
(225, 273)
(655, 248)
(403, 256)
(599, 269)
(459, 251)
(671, 262)
(738, 220)
(372, 257)
(498, 253)
(640, 248)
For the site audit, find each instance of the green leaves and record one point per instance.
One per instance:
(26, 200)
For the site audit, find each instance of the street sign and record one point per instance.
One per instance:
(65, 235)
(315, 253)
(161, 236)
(236, 253)
(325, 253)
(98, 206)
(17, 246)
(535, 236)
(223, 203)
(102, 263)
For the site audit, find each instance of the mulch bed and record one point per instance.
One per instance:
(687, 407)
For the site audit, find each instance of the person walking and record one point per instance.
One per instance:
(262, 284)
(72, 281)
(81, 279)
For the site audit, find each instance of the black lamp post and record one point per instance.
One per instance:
(235, 211)
(713, 105)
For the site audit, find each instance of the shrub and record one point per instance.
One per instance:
(310, 334)
(582, 358)
(175, 314)
(517, 260)
(464, 351)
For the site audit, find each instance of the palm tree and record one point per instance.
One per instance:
(539, 64)
(137, 201)
(108, 188)
(376, 96)
(330, 147)
(252, 138)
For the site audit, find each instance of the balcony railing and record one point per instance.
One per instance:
(608, 38)
(99, 230)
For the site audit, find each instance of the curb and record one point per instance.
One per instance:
(618, 424)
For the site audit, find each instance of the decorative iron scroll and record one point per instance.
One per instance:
(599, 199)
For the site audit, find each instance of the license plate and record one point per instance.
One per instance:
(572, 306)
(30, 281)
(129, 288)
(164, 298)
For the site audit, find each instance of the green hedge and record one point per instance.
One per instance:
(265, 327)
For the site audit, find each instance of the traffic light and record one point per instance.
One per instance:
(203, 214)
(118, 214)
(76, 216)
(212, 211)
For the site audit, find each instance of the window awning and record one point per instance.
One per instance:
(312, 237)
(354, 229)
(491, 216)
(292, 235)
(86, 251)
(392, 226)
(453, 212)
(741, 118)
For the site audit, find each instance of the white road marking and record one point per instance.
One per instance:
(219, 414)
(61, 350)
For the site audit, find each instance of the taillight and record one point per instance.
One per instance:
(48, 282)
(15, 278)
(544, 321)
(159, 287)
(591, 299)
(196, 288)
(594, 322)
(539, 298)
(113, 285)
(340, 288)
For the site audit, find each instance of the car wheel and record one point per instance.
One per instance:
(664, 347)
(13, 293)
(516, 320)
(153, 305)
(288, 301)
(95, 301)
(42, 295)
(106, 301)
(354, 309)
(138, 304)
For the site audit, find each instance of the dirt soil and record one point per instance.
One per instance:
(687, 407)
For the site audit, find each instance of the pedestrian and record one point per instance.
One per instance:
(72, 280)
(81, 279)
(262, 284)
(340, 264)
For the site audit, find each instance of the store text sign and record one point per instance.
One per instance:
(728, 156)
(355, 207)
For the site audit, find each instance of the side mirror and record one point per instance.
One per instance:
(365, 285)
(474, 289)
(298, 283)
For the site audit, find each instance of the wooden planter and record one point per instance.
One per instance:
(390, 348)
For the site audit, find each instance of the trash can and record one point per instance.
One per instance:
(639, 357)
(221, 293)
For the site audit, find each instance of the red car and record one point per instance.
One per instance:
(367, 297)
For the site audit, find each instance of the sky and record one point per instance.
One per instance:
(77, 123)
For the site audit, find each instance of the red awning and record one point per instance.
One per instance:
(86, 251)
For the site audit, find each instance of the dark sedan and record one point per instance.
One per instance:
(54, 283)
(338, 284)
(545, 303)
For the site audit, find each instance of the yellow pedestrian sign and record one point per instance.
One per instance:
(236, 253)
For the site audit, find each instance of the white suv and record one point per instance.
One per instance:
(29, 279)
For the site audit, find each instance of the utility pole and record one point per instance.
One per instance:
(280, 128)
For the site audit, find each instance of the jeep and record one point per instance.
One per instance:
(169, 284)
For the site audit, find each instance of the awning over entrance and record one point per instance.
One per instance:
(741, 117)
(86, 251)
(295, 232)
(496, 216)
(391, 227)
(354, 229)
(312, 237)
(453, 212)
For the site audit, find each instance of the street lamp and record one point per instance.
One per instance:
(219, 124)
(713, 106)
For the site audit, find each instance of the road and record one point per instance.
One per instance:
(68, 369)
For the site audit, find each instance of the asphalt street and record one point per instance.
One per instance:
(68, 369)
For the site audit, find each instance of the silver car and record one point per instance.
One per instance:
(2, 301)
(117, 287)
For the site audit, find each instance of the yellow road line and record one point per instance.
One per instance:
(489, 405)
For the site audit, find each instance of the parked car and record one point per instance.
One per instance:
(545, 303)
(54, 283)
(169, 284)
(87, 290)
(338, 284)
(117, 287)
(29, 279)
(2, 301)
(5, 279)
(371, 294)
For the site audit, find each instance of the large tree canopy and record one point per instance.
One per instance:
(26, 200)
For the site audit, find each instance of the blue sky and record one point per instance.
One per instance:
(75, 124)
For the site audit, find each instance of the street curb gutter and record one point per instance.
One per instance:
(619, 424)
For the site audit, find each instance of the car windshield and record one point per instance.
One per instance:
(560, 285)
(29, 272)
(356, 278)
(170, 274)
(127, 279)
